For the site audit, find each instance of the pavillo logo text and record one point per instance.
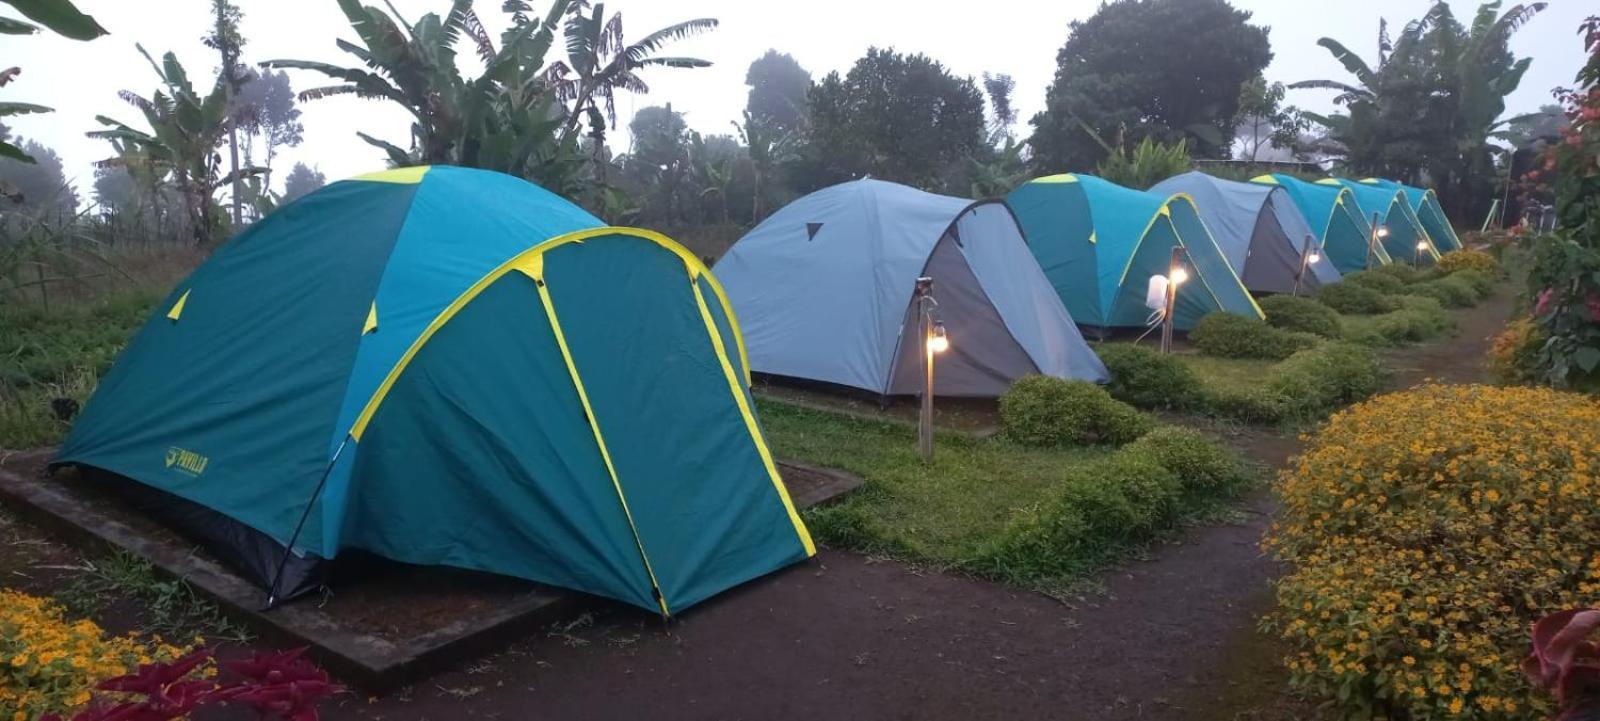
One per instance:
(188, 462)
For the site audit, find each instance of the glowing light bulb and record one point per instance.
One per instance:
(1179, 275)
(1422, 246)
(1383, 231)
(939, 342)
(1314, 257)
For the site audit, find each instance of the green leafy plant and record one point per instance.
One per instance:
(58, 16)
(1356, 299)
(1149, 163)
(1044, 411)
(1329, 376)
(1381, 279)
(1146, 378)
(1453, 291)
(1234, 336)
(1204, 467)
(1418, 318)
(1303, 315)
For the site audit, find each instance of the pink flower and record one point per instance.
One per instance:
(1545, 298)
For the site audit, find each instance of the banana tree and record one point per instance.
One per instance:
(60, 17)
(186, 128)
(599, 63)
(769, 147)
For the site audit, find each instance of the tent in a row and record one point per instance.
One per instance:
(1335, 215)
(456, 367)
(825, 287)
(1260, 230)
(1099, 243)
(1425, 203)
(1406, 239)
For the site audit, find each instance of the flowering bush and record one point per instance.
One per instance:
(49, 664)
(276, 685)
(1426, 531)
(1513, 355)
(1468, 260)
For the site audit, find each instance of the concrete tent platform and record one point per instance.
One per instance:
(376, 631)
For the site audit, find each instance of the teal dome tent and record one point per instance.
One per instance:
(455, 367)
(1407, 239)
(1425, 203)
(1099, 243)
(1335, 215)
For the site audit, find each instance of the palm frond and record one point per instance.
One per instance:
(473, 26)
(1351, 62)
(676, 62)
(638, 51)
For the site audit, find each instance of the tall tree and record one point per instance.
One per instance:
(58, 16)
(1432, 103)
(660, 159)
(1547, 123)
(769, 149)
(896, 117)
(40, 187)
(265, 109)
(1264, 123)
(1002, 114)
(301, 179)
(1163, 69)
(778, 88)
(226, 39)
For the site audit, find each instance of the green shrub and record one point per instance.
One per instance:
(1399, 271)
(1482, 283)
(1204, 467)
(1327, 377)
(1234, 336)
(1458, 260)
(1254, 405)
(1452, 291)
(1044, 411)
(1303, 315)
(1147, 378)
(1355, 299)
(1102, 505)
(1419, 318)
(1385, 282)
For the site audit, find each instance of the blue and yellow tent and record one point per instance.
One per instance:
(1335, 214)
(1099, 243)
(456, 367)
(1425, 203)
(1407, 239)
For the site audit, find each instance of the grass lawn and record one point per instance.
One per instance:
(1227, 374)
(937, 513)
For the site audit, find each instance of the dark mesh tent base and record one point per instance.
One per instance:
(251, 553)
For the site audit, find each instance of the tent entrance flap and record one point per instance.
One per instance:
(983, 358)
(1272, 263)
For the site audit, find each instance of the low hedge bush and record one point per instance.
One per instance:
(1147, 378)
(1303, 315)
(1384, 281)
(1128, 496)
(1419, 318)
(1482, 283)
(1399, 271)
(1453, 291)
(1256, 405)
(1459, 260)
(1044, 411)
(1234, 336)
(1425, 532)
(1204, 467)
(1320, 379)
(1355, 298)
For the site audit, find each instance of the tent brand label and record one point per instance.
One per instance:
(188, 462)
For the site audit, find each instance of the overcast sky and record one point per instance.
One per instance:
(81, 80)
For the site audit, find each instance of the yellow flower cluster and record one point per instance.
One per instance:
(1426, 531)
(1512, 354)
(1468, 260)
(50, 664)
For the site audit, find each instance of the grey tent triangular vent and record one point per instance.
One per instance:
(811, 230)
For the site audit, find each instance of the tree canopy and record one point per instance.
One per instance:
(301, 179)
(1163, 69)
(778, 88)
(896, 117)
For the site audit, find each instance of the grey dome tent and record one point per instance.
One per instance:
(823, 290)
(1259, 229)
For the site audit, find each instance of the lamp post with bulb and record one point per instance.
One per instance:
(1416, 259)
(1310, 253)
(1176, 275)
(1379, 232)
(934, 341)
